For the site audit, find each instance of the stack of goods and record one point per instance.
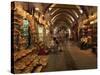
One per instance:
(17, 22)
(43, 59)
(25, 58)
(25, 61)
(86, 37)
(21, 22)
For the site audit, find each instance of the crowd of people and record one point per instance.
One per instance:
(57, 41)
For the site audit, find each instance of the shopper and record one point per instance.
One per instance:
(55, 44)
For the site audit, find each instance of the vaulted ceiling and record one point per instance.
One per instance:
(60, 12)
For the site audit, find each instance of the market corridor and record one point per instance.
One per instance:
(69, 59)
(52, 37)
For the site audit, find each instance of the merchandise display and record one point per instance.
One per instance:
(48, 37)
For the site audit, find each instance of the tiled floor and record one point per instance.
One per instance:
(71, 58)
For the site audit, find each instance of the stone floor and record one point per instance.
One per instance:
(71, 58)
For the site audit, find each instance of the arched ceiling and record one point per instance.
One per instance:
(66, 13)
(71, 12)
(61, 16)
(59, 12)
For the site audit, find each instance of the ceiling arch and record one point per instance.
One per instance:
(67, 12)
(64, 19)
(63, 6)
(58, 22)
(64, 16)
(71, 10)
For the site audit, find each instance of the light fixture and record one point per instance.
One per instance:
(50, 9)
(55, 11)
(76, 13)
(81, 11)
(42, 15)
(40, 29)
(93, 22)
(53, 5)
(37, 9)
(83, 26)
(72, 18)
(69, 31)
(47, 31)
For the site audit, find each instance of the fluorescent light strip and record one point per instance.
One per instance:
(52, 7)
(55, 11)
(75, 13)
(80, 10)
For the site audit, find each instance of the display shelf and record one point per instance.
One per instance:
(21, 54)
(94, 39)
(33, 64)
(27, 64)
(24, 58)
